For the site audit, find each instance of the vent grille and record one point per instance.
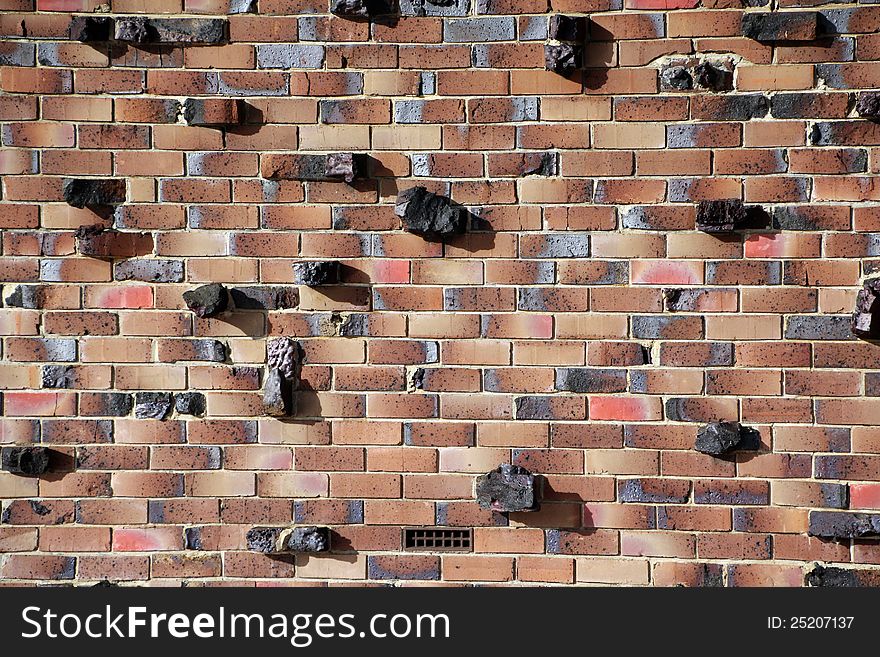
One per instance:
(437, 539)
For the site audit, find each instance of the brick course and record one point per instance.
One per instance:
(581, 326)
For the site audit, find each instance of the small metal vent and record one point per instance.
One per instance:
(437, 539)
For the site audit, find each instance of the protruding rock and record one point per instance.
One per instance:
(428, 214)
(840, 524)
(868, 104)
(140, 29)
(277, 394)
(152, 405)
(715, 78)
(306, 539)
(568, 28)
(26, 296)
(781, 26)
(264, 539)
(207, 300)
(213, 111)
(312, 273)
(361, 8)
(29, 461)
(190, 403)
(284, 354)
(324, 168)
(562, 58)
(507, 488)
(676, 77)
(90, 29)
(833, 576)
(866, 317)
(717, 438)
(94, 192)
(721, 216)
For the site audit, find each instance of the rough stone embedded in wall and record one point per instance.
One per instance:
(323, 168)
(26, 461)
(713, 77)
(868, 105)
(143, 30)
(428, 214)
(207, 300)
(721, 216)
(264, 539)
(834, 576)
(362, 8)
(212, 112)
(866, 316)
(153, 405)
(841, 524)
(306, 539)
(676, 77)
(315, 272)
(568, 28)
(781, 26)
(190, 403)
(563, 58)
(283, 363)
(94, 192)
(508, 488)
(90, 29)
(717, 438)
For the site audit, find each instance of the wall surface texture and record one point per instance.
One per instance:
(582, 327)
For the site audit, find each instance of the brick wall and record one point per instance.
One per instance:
(582, 327)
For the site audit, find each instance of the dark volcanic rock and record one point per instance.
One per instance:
(721, 216)
(832, 576)
(308, 539)
(563, 58)
(140, 29)
(568, 28)
(507, 488)
(313, 273)
(152, 405)
(866, 316)
(207, 300)
(284, 354)
(428, 214)
(676, 77)
(868, 104)
(718, 438)
(29, 461)
(90, 28)
(713, 77)
(362, 8)
(277, 394)
(134, 29)
(264, 539)
(838, 524)
(91, 192)
(59, 376)
(190, 403)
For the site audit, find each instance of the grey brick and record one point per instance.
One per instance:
(819, 327)
(287, 55)
(584, 379)
(408, 111)
(533, 28)
(427, 83)
(59, 350)
(152, 271)
(565, 245)
(435, 8)
(473, 30)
